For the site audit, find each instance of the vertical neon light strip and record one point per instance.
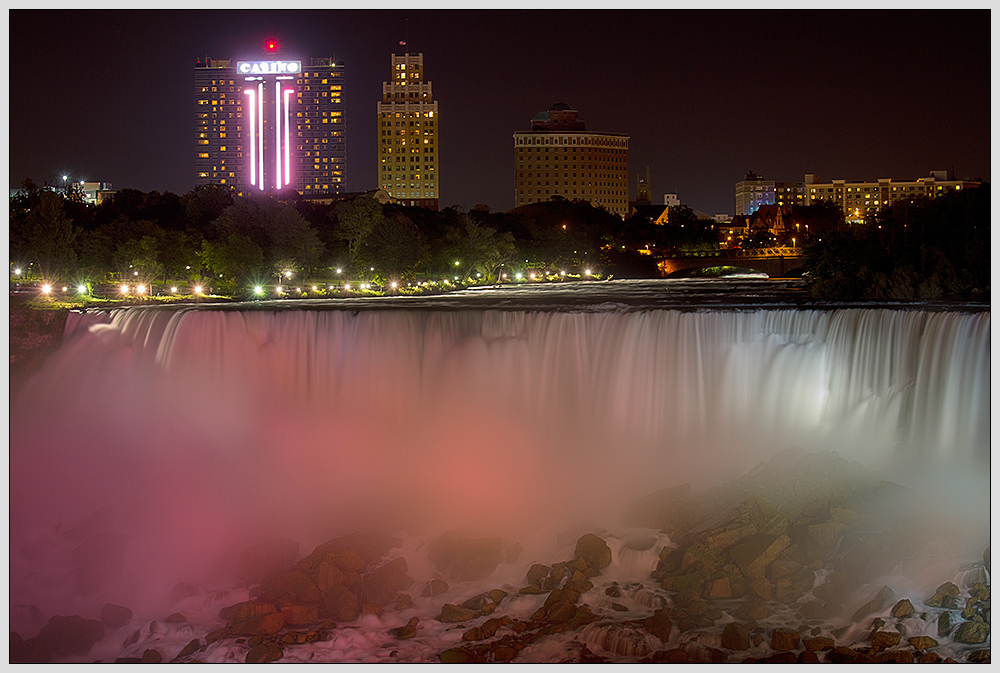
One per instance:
(288, 160)
(260, 134)
(253, 163)
(277, 135)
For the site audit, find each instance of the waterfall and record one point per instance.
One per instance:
(186, 427)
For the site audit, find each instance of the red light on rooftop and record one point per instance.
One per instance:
(271, 46)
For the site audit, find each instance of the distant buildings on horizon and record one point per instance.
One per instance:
(276, 125)
(855, 199)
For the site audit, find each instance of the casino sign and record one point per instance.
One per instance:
(268, 67)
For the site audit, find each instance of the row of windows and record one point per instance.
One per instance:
(573, 140)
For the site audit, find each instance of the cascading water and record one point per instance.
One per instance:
(182, 434)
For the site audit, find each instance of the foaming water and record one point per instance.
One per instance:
(174, 436)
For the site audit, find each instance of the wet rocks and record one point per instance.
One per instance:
(115, 616)
(264, 652)
(903, 608)
(253, 618)
(456, 613)
(882, 640)
(593, 550)
(972, 632)
(736, 636)
(71, 635)
(784, 640)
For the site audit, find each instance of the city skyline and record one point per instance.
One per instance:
(705, 96)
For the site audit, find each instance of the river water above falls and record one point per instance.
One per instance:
(160, 442)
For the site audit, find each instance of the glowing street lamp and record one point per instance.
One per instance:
(141, 289)
(197, 289)
(258, 290)
(124, 289)
(82, 289)
(46, 289)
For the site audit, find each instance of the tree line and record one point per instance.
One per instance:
(915, 250)
(210, 236)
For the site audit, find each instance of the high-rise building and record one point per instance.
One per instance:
(270, 124)
(408, 126)
(752, 192)
(559, 157)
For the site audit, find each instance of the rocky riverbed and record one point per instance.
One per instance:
(809, 558)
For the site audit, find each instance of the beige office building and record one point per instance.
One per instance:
(559, 157)
(408, 135)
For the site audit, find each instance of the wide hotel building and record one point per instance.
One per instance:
(270, 124)
(558, 157)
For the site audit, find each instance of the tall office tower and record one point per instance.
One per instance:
(559, 157)
(271, 124)
(408, 135)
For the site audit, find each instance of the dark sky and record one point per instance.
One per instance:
(705, 95)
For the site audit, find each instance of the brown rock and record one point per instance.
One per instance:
(876, 604)
(903, 608)
(818, 644)
(115, 616)
(979, 657)
(257, 625)
(176, 618)
(455, 613)
(760, 586)
(407, 631)
(537, 572)
(264, 653)
(328, 574)
(894, 657)
(718, 589)
(784, 640)
(31, 651)
(435, 587)
(294, 587)
(593, 550)
(883, 639)
(300, 615)
(754, 554)
(659, 624)
(922, 642)
(71, 635)
(341, 605)
(457, 655)
(151, 657)
(736, 636)
(504, 654)
(753, 607)
(189, 649)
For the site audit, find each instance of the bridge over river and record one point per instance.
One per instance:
(775, 262)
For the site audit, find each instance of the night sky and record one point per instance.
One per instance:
(704, 95)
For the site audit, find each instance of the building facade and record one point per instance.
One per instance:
(408, 126)
(270, 124)
(856, 199)
(752, 192)
(559, 157)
